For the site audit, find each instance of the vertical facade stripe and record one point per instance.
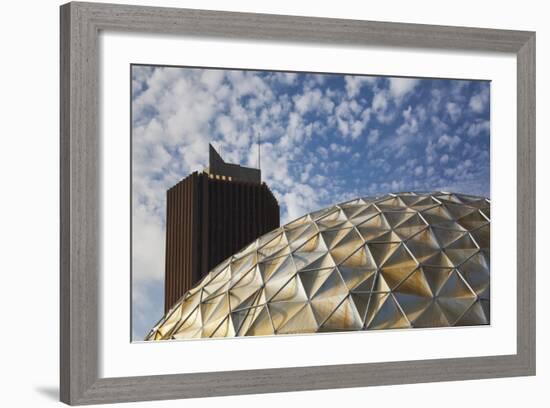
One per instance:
(208, 220)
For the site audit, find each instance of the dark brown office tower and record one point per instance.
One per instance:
(210, 215)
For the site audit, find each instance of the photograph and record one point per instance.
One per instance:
(267, 203)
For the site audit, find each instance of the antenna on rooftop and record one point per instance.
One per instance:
(259, 150)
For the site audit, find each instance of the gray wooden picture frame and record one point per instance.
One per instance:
(80, 192)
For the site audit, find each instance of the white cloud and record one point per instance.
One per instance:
(478, 127)
(380, 106)
(319, 180)
(340, 148)
(438, 125)
(444, 159)
(453, 110)
(225, 125)
(304, 177)
(301, 199)
(436, 99)
(323, 152)
(430, 152)
(400, 87)
(411, 163)
(380, 101)
(385, 101)
(212, 78)
(478, 103)
(351, 118)
(286, 78)
(373, 136)
(297, 131)
(275, 168)
(448, 141)
(355, 83)
(147, 260)
(312, 100)
(408, 128)
(246, 83)
(397, 185)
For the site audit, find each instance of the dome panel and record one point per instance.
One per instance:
(405, 260)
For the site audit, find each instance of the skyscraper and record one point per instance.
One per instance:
(210, 215)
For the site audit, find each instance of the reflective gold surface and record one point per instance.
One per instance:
(396, 261)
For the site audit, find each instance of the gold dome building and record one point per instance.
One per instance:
(406, 260)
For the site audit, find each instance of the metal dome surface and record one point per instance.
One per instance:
(404, 260)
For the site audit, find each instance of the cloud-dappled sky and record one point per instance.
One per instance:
(325, 139)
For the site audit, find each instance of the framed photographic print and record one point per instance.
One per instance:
(242, 192)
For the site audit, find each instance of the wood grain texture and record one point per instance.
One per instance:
(526, 202)
(79, 196)
(79, 204)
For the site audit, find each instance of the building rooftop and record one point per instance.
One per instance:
(218, 168)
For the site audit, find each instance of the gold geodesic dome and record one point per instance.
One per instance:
(402, 260)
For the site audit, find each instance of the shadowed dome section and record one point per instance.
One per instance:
(402, 260)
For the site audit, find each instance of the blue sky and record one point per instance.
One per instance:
(325, 139)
